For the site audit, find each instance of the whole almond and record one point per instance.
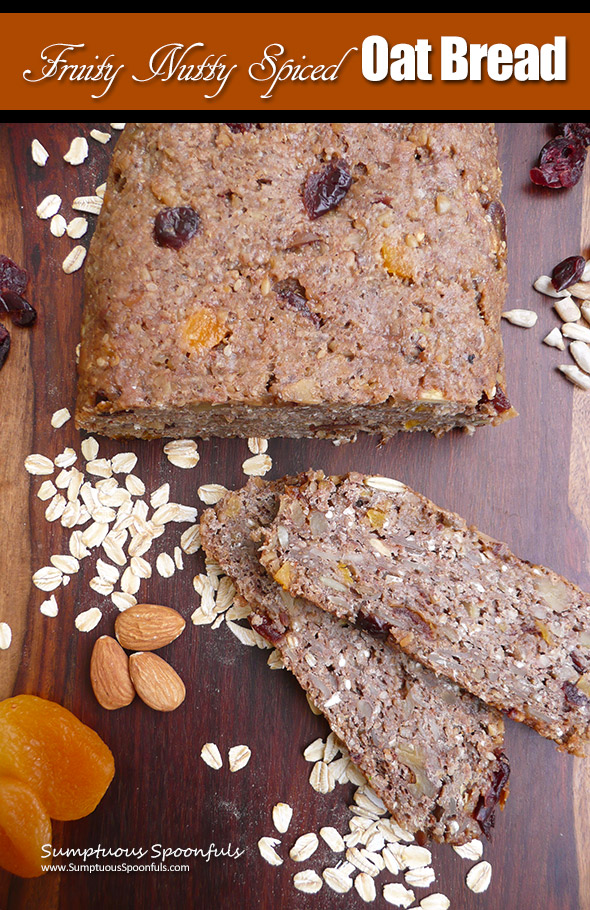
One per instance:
(156, 682)
(109, 674)
(147, 627)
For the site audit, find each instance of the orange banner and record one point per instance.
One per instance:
(294, 61)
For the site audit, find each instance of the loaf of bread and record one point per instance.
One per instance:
(376, 553)
(433, 753)
(296, 279)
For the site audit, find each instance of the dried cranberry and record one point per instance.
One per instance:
(567, 272)
(561, 163)
(325, 190)
(12, 277)
(574, 695)
(174, 227)
(293, 293)
(371, 623)
(500, 400)
(580, 131)
(484, 812)
(21, 311)
(4, 345)
(240, 127)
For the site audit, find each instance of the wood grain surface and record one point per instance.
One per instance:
(526, 482)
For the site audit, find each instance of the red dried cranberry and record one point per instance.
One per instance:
(240, 127)
(580, 131)
(560, 164)
(567, 272)
(12, 277)
(174, 227)
(325, 190)
(4, 345)
(293, 293)
(371, 623)
(500, 400)
(21, 312)
(484, 812)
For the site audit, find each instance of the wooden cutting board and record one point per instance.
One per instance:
(526, 482)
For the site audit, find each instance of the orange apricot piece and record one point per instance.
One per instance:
(64, 761)
(25, 829)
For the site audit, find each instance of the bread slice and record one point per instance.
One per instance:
(222, 299)
(374, 552)
(432, 753)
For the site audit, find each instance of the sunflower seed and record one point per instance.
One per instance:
(304, 847)
(555, 339)
(89, 204)
(239, 756)
(88, 620)
(435, 902)
(526, 319)
(567, 310)
(74, 260)
(337, 880)
(544, 285)
(479, 877)
(398, 895)
(365, 887)
(49, 607)
(266, 846)
(580, 351)
(49, 206)
(39, 464)
(39, 153)
(385, 484)
(211, 493)
(575, 375)
(307, 881)
(472, 850)
(78, 151)
(577, 332)
(282, 814)
(5, 636)
(581, 289)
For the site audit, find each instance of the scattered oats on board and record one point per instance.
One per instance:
(58, 225)
(77, 227)
(333, 839)
(74, 260)
(48, 578)
(258, 445)
(88, 204)
(39, 464)
(337, 879)
(211, 493)
(479, 877)
(257, 465)
(49, 607)
(239, 756)
(472, 850)
(78, 151)
(165, 565)
(100, 136)
(422, 877)
(182, 453)
(304, 847)
(398, 895)
(365, 887)
(60, 417)
(39, 153)
(435, 901)
(212, 756)
(88, 620)
(266, 846)
(5, 636)
(49, 206)
(282, 814)
(307, 881)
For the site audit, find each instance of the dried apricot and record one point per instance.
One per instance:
(63, 760)
(25, 828)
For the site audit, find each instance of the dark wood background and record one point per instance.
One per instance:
(526, 482)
